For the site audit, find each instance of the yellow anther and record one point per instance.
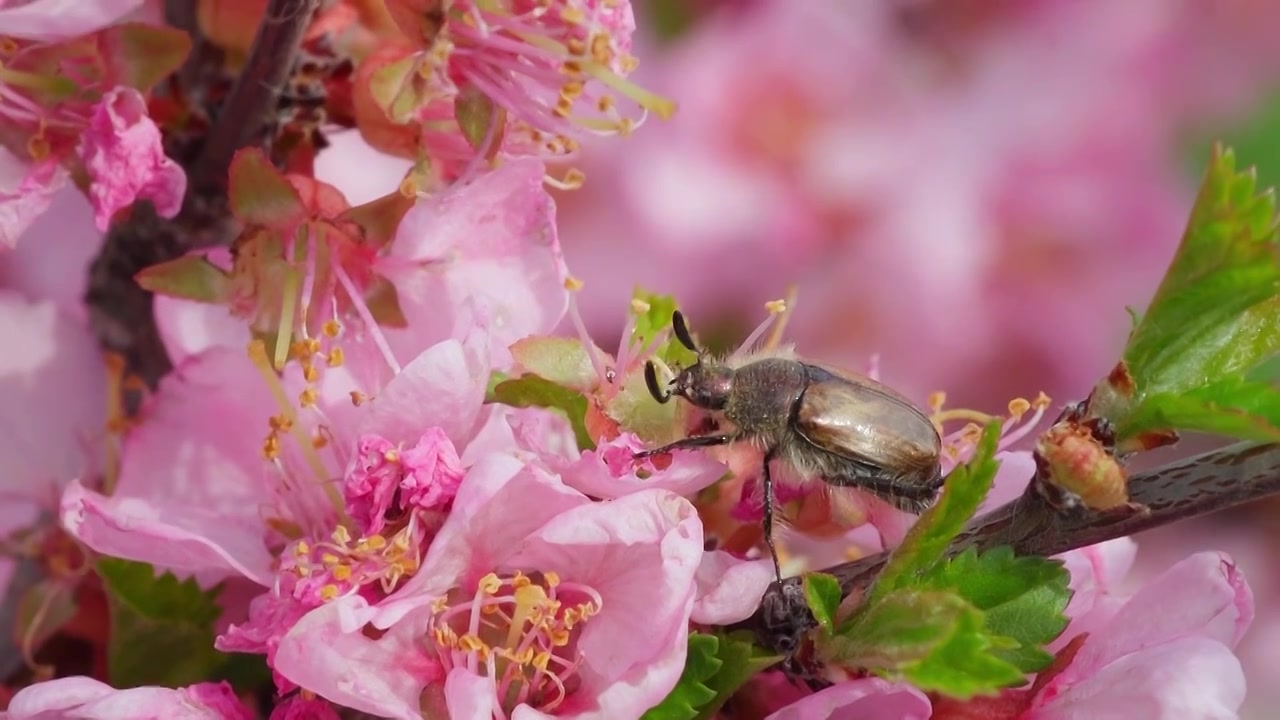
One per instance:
(572, 284)
(776, 307)
(563, 108)
(313, 346)
(297, 349)
(628, 63)
(302, 548)
(489, 609)
(550, 576)
(1018, 406)
(341, 536)
(572, 89)
(489, 584)
(8, 46)
(391, 456)
(329, 559)
(280, 423)
(335, 357)
(601, 50)
(309, 372)
(342, 572)
(358, 398)
(520, 581)
(271, 447)
(307, 398)
(38, 147)
(571, 67)
(560, 637)
(576, 46)
(408, 187)
(937, 400)
(573, 15)
(302, 571)
(439, 605)
(331, 328)
(1042, 401)
(328, 592)
(605, 103)
(319, 441)
(375, 542)
(470, 643)
(542, 660)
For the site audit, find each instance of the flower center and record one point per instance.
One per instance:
(519, 630)
(342, 566)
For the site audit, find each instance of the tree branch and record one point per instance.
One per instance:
(1184, 489)
(120, 310)
(253, 99)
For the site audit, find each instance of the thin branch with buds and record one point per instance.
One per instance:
(1181, 490)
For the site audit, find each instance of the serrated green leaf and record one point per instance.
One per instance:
(691, 692)
(822, 593)
(740, 660)
(161, 628)
(928, 539)
(1214, 318)
(1022, 598)
(190, 277)
(965, 663)
(533, 391)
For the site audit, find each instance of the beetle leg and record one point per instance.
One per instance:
(766, 479)
(696, 441)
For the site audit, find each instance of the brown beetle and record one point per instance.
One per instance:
(819, 422)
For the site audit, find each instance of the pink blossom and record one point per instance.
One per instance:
(611, 471)
(729, 588)
(385, 477)
(83, 698)
(123, 154)
(299, 707)
(195, 492)
(26, 191)
(865, 699)
(1164, 652)
(54, 265)
(517, 540)
(50, 20)
(491, 242)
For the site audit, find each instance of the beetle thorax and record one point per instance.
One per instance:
(764, 393)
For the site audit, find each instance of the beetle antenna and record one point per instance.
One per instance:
(682, 332)
(651, 380)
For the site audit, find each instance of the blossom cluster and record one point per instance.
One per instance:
(404, 493)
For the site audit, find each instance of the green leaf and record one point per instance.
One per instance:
(191, 277)
(161, 628)
(1022, 598)
(260, 194)
(691, 692)
(533, 391)
(740, 660)
(935, 639)
(822, 592)
(927, 540)
(1214, 318)
(398, 89)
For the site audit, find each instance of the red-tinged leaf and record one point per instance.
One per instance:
(398, 89)
(376, 128)
(191, 277)
(261, 194)
(141, 55)
(419, 20)
(384, 304)
(378, 219)
(230, 24)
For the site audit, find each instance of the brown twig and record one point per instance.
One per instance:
(120, 310)
(253, 99)
(1184, 489)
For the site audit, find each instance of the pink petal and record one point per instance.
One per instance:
(54, 265)
(1202, 596)
(26, 191)
(1194, 677)
(492, 241)
(193, 473)
(609, 471)
(50, 20)
(82, 698)
(640, 552)
(499, 503)
(348, 150)
(537, 430)
(53, 380)
(123, 154)
(384, 677)
(188, 327)
(863, 699)
(299, 707)
(442, 387)
(729, 588)
(470, 696)
(1016, 468)
(1096, 571)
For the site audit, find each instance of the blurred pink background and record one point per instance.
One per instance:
(974, 190)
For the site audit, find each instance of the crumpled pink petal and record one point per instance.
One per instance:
(609, 471)
(83, 698)
(1194, 677)
(298, 707)
(26, 191)
(123, 154)
(491, 241)
(729, 588)
(862, 699)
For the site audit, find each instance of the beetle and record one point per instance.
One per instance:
(819, 422)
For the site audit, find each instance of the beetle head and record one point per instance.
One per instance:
(706, 384)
